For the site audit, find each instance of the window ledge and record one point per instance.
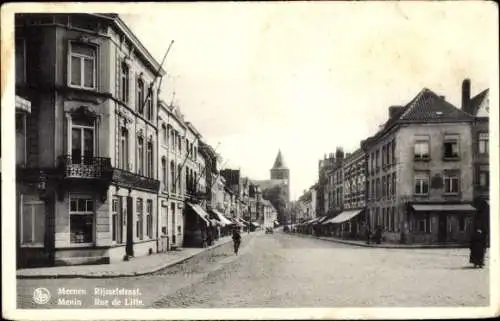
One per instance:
(451, 159)
(89, 89)
(32, 245)
(420, 159)
(77, 245)
(451, 194)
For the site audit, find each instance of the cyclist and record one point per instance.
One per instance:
(236, 240)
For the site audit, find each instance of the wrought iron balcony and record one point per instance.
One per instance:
(84, 167)
(127, 179)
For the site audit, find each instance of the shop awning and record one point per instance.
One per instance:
(327, 220)
(224, 221)
(344, 216)
(243, 221)
(255, 224)
(200, 211)
(443, 207)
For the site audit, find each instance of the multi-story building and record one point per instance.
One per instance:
(87, 190)
(322, 201)
(178, 171)
(351, 220)
(420, 172)
(334, 192)
(478, 106)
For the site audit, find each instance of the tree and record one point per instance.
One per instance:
(276, 195)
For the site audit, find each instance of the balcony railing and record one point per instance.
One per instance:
(134, 181)
(86, 167)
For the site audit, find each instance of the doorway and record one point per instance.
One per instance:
(442, 227)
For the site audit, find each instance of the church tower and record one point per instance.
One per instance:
(281, 172)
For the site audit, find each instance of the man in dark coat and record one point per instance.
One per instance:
(477, 248)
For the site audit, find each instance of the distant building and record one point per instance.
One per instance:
(420, 172)
(279, 176)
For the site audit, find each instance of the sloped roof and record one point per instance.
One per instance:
(279, 162)
(429, 107)
(476, 102)
(426, 107)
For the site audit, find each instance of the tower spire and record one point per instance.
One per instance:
(279, 162)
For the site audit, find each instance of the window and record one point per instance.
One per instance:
(164, 134)
(149, 104)
(393, 146)
(125, 83)
(179, 143)
(81, 213)
(393, 183)
(21, 152)
(20, 61)
(450, 146)
(451, 183)
(377, 192)
(139, 226)
(483, 143)
(421, 184)
(383, 156)
(172, 209)
(173, 138)
(116, 224)
(389, 186)
(172, 177)
(423, 223)
(149, 159)
(484, 178)
(421, 148)
(149, 218)
(32, 223)
(82, 140)
(164, 173)
(179, 174)
(383, 187)
(140, 155)
(123, 151)
(140, 96)
(82, 66)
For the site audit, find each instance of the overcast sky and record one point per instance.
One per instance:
(304, 77)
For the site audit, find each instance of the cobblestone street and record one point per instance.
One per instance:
(282, 270)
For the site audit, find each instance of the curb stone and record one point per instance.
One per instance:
(120, 275)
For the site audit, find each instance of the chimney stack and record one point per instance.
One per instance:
(465, 95)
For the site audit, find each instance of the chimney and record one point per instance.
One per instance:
(465, 95)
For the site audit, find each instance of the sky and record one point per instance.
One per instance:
(307, 77)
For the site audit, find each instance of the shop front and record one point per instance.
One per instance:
(440, 223)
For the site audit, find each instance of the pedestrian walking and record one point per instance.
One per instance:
(236, 240)
(367, 234)
(477, 248)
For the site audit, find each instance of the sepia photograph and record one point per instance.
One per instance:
(232, 160)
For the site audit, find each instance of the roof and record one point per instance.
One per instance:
(426, 107)
(476, 101)
(279, 162)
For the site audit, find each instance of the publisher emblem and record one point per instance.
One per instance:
(41, 295)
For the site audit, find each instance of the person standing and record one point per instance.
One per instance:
(477, 248)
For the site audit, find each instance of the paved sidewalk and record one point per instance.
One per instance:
(136, 266)
(384, 245)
